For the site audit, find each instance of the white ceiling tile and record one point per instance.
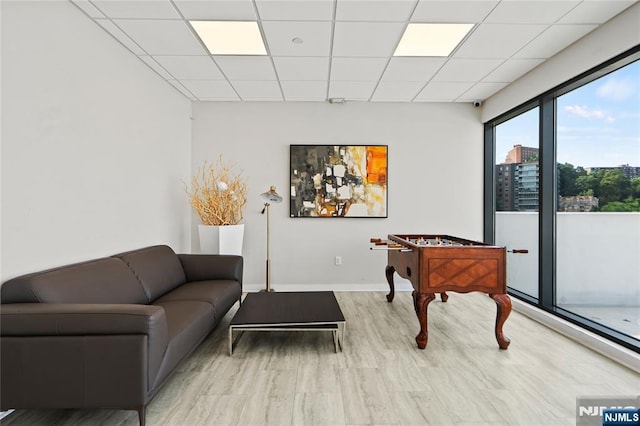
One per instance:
(397, 91)
(511, 70)
(162, 37)
(210, 89)
(442, 91)
(351, 57)
(497, 40)
(374, 10)
(366, 39)
(482, 91)
(353, 69)
(190, 67)
(530, 12)
(351, 90)
(554, 40)
(302, 68)
(304, 90)
(467, 70)
(182, 89)
(452, 11)
(595, 12)
(246, 67)
(146, 9)
(88, 8)
(233, 10)
(258, 90)
(315, 36)
(412, 69)
(156, 67)
(116, 32)
(297, 10)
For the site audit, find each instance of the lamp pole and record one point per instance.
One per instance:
(269, 197)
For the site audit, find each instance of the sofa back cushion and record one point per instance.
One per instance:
(106, 280)
(157, 268)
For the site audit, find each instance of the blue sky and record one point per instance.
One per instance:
(598, 124)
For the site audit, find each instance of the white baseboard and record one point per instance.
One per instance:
(4, 414)
(611, 350)
(252, 288)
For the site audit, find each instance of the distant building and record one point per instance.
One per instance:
(521, 154)
(527, 181)
(518, 180)
(629, 171)
(505, 187)
(578, 203)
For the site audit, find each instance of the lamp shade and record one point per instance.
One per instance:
(271, 195)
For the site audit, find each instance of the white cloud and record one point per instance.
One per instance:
(585, 112)
(617, 89)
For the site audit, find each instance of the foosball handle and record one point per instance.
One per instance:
(521, 251)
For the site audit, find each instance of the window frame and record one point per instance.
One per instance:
(548, 193)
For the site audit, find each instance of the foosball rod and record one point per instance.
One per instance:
(403, 249)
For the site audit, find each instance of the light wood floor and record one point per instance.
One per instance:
(381, 378)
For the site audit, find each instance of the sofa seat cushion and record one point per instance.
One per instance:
(188, 322)
(221, 294)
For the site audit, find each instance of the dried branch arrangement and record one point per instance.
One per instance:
(217, 195)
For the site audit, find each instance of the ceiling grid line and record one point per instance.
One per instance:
(347, 46)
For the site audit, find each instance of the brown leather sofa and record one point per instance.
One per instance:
(107, 333)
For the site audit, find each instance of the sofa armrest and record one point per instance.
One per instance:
(203, 267)
(68, 319)
(65, 321)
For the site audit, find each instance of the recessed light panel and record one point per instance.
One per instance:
(230, 37)
(421, 39)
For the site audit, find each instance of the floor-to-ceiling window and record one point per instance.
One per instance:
(562, 180)
(598, 210)
(516, 191)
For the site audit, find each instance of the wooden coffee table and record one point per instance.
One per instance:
(289, 311)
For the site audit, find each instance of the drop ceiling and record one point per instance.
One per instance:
(347, 46)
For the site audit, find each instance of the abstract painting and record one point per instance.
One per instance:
(338, 181)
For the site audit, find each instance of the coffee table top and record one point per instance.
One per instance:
(288, 308)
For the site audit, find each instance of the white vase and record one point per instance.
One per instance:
(221, 239)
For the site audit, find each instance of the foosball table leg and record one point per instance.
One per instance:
(503, 305)
(422, 301)
(389, 270)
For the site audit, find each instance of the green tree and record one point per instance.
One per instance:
(634, 187)
(628, 205)
(613, 186)
(567, 175)
(588, 184)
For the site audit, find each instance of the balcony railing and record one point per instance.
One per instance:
(597, 268)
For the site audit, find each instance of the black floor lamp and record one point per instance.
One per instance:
(271, 196)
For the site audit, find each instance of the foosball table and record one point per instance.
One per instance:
(440, 263)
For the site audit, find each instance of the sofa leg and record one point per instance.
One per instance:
(141, 415)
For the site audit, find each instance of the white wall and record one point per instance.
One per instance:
(435, 181)
(613, 38)
(95, 147)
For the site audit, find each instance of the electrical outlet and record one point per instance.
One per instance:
(338, 260)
